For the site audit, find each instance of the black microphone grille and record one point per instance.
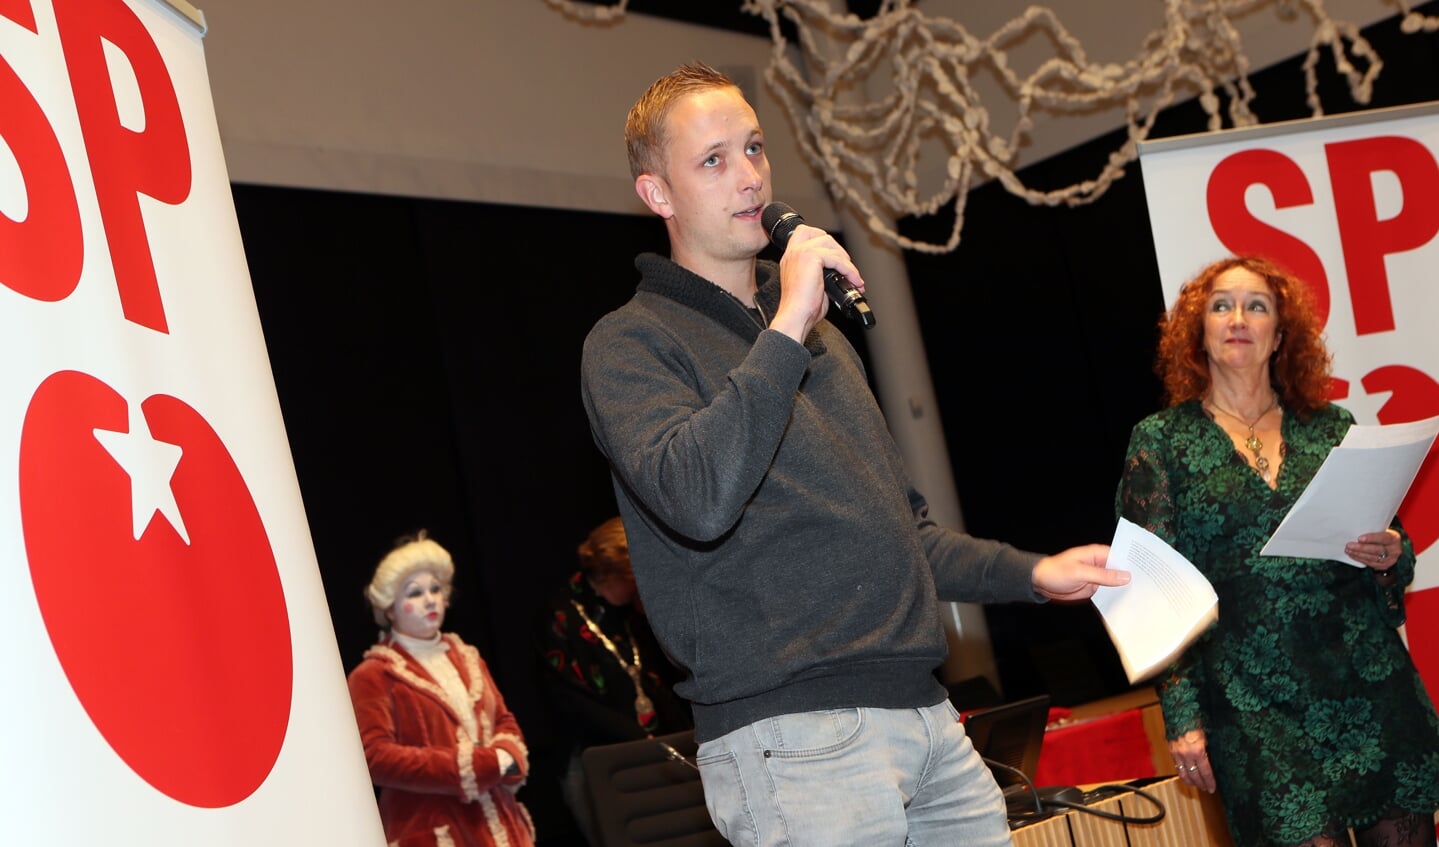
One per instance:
(779, 221)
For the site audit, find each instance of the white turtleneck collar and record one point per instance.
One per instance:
(420, 647)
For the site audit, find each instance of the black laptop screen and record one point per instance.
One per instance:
(1011, 734)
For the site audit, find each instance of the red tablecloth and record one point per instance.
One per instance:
(1112, 748)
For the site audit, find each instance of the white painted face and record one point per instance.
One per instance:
(419, 608)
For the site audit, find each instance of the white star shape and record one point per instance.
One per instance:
(150, 464)
(1364, 406)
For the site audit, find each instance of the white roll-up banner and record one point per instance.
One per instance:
(1351, 205)
(175, 678)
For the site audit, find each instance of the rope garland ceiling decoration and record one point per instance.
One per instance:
(868, 150)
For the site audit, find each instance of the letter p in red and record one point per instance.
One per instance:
(125, 162)
(1365, 238)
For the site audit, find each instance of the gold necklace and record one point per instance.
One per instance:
(644, 708)
(1252, 442)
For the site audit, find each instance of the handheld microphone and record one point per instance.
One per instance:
(779, 220)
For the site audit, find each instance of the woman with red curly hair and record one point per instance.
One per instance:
(1301, 706)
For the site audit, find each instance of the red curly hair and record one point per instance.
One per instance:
(1299, 370)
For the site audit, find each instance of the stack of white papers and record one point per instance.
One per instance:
(1166, 605)
(1357, 490)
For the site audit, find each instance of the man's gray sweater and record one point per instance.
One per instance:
(784, 558)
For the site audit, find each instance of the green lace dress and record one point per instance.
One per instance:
(1313, 711)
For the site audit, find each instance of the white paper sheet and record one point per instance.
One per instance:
(1166, 605)
(1357, 490)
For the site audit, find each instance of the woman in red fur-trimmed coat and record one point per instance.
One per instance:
(446, 754)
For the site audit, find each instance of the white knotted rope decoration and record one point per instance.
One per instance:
(868, 148)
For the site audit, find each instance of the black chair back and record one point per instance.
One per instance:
(648, 792)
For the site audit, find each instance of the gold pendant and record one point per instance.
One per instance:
(643, 707)
(1254, 444)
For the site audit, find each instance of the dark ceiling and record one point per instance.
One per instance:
(720, 14)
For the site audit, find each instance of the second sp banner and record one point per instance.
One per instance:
(1351, 205)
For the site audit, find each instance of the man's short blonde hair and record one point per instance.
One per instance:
(645, 131)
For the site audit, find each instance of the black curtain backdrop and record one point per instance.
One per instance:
(426, 357)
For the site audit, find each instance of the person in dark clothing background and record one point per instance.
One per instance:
(608, 681)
